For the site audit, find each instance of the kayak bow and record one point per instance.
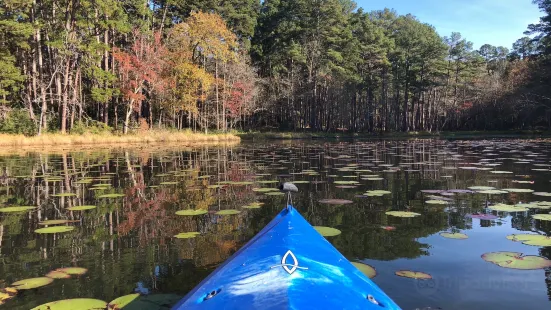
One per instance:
(287, 265)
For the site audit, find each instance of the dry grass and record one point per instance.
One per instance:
(150, 137)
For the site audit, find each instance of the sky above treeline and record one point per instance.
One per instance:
(495, 22)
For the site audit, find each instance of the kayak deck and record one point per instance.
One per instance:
(287, 265)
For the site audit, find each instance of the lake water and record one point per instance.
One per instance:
(127, 242)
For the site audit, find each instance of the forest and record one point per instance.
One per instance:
(77, 66)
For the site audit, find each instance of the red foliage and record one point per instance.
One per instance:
(142, 67)
(240, 93)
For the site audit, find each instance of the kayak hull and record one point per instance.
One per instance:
(287, 265)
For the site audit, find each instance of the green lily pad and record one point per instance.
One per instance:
(278, 193)
(16, 209)
(515, 260)
(492, 192)
(54, 229)
(327, 231)
(54, 222)
(377, 193)
(481, 188)
(168, 183)
(65, 195)
(57, 275)
(265, 190)
(335, 201)
(536, 240)
(454, 235)
(542, 217)
(73, 270)
(81, 208)
(301, 182)
(402, 213)
(413, 274)
(518, 190)
(544, 194)
(111, 196)
(367, 270)
(187, 235)
(152, 302)
(74, 304)
(228, 212)
(501, 172)
(84, 181)
(436, 202)
(507, 208)
(31, 283)
(190, 212)
(347, 182)
(254, 205)
(121, 302)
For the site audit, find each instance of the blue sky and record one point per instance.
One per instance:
(496, 22)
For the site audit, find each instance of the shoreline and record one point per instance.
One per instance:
(252, 136)
(87, 140)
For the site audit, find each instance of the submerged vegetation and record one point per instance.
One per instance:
(245, 64)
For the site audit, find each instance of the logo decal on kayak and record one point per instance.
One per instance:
(294, 265)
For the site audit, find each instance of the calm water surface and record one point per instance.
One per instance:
(127, 243)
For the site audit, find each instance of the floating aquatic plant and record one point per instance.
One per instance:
(402, 213)
(327, 231)
(27, 284)
(528, 239)
(54, 229)
(187, 235)
(515, 260)
(413, 274)
(366, 269)
(454, 235)
(191, 212)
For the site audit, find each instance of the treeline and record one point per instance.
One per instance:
(95, 65)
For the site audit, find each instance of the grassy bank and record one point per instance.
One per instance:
(148, 137)
(397, 135)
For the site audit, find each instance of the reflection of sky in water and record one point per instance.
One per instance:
(461, 278)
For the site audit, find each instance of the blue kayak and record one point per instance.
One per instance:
(287, 265)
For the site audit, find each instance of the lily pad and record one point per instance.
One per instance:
(367, 270)
(278, 193)
(57, 275)
(402, 213)
(254, 205)
(16, 209)
(265, 189)
(536, 240)
(111, 196)
(54, 229)
(335, 201)
(31, 283)
(515, 260)
(376, 193)
(121, 302)
(436, 202)
(228, 212)
(492, 192)
(191, 212)
(542, 217)
(454, 235)
(507, 208)
(54, 222)
(152, 302)
(518, 190)
(544, 194)
(481, 188)
(168, 183)
(327, 231)
(73, 270)
(81, 208)
(413, 274)
(187, 235)
(73, 304)
(346, 182)
(65, 195)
